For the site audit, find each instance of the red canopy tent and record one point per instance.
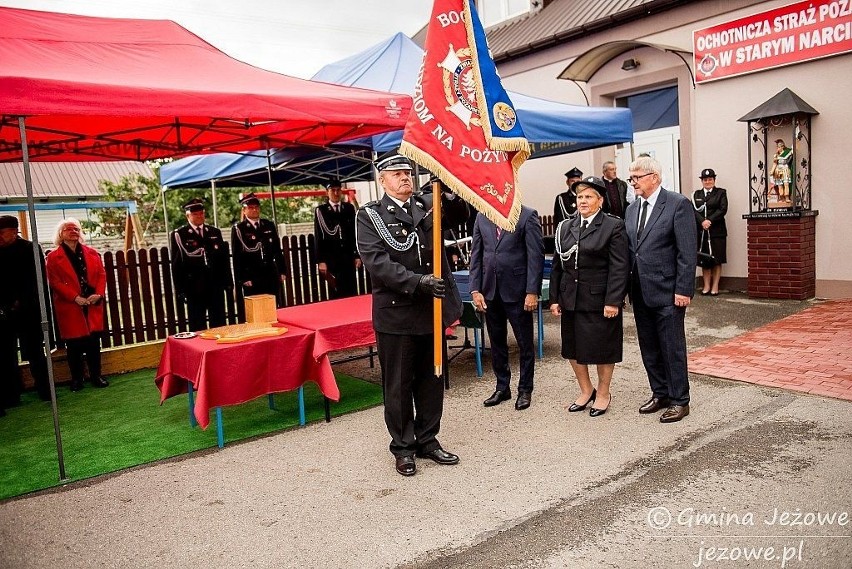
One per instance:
(83, 88)
(104, 88)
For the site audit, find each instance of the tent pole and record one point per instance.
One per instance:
(165, 211)
(375, 185)
(215, 203)
(45, 325)
(271, 185)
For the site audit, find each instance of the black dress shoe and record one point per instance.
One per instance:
(440, 456)
(595, 412)
(654, 404)
(498, 397)
(524, 400)
(405, 465)
(76, 385)
(674, 413)
(99, 382)
(574, 407)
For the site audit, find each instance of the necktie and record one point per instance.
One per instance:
(583, 226)
(642, 219)
(336, 207)
(200, 230)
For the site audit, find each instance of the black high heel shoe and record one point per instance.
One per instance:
(575, 408)
(593, 412)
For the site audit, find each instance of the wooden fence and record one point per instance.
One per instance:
(141, 305)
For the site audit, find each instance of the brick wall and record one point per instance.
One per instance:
(782, 257)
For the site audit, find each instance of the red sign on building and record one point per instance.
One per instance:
(783, 36)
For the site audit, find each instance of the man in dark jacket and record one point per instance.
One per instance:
(258, 261)
(20, 316)
(201, 268)
(395, 243)
(565, 205)
(616, 190)
(506, 270)
(336, 251)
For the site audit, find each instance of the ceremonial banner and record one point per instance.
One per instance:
(463, 126)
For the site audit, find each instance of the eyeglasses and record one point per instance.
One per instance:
(634, 179)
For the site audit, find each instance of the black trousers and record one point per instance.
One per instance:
(498, 315)
(206, 303)
(662, 342)
(88, 347)
(346, 283)
(32, 350)
(414, 397)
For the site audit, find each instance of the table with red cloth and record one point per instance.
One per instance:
(339, 324)
(229, 374)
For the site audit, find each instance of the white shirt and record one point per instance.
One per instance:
(651, 202)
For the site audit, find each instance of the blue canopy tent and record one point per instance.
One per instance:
(552, 128)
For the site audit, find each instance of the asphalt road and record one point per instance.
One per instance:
(750, 469)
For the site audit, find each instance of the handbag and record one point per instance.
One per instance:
(706, 259)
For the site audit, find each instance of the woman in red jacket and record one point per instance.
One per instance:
(77, 281)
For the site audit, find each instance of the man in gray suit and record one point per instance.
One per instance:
(505, 281)
(662, 243)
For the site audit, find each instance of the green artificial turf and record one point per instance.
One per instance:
(104, 430)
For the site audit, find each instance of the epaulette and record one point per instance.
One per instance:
(611, 215)
(373, 204)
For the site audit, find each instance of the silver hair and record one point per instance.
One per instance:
(57, 237)
(646, 164)
(607, 164)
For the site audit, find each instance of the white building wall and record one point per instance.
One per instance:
(711, 135)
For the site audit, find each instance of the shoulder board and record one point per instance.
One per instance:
(373, 204)
(606, 213)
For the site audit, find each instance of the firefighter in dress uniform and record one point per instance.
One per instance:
(395, 244)
(258, 261)
(336, 250)
(565, 205)
(201, 269)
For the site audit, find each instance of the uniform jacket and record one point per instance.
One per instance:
(596, 274)
(621, 187)
(257, 252)
(665, 255)
(200, 263)
(713, 207)
(334, 234)
(73, 320)
(19, 295)
(395, 269)
(564, 206)
(510, 266)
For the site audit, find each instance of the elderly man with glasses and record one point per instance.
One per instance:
(662, 242)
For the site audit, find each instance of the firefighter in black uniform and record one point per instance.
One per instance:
(395, 243)
(20, 316)
(565, 205)
(336, 251)
(201, 268)
(258, 261)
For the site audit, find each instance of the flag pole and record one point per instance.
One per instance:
(437, 265)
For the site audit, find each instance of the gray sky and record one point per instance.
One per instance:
(296, 37)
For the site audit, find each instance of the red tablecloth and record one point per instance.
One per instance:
(229, 374)
(339, 324)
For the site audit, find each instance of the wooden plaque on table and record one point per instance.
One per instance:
(260, 308)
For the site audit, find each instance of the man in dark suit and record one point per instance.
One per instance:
(506, 270)
(395, 244)
(258, 261)
(616, 190)
(336, 250)
(20, 315)
(565, 204)
(661, 237)
(201, 268)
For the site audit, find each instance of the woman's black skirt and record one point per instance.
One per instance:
(590, 338)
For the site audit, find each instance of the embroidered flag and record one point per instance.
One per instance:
(463, 126)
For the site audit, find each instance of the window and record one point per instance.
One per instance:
(495, 11)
